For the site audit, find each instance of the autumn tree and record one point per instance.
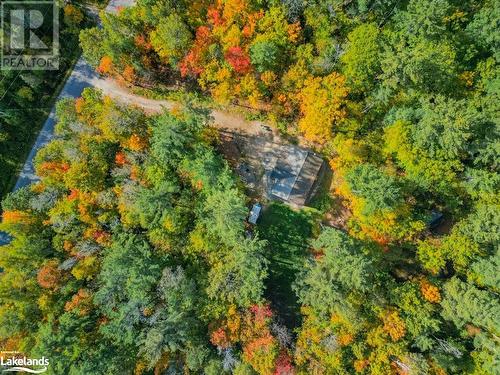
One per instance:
(322, 104)
(171, 39)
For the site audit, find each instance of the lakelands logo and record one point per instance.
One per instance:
(11, 362)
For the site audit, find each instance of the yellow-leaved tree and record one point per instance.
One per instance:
(322, 102)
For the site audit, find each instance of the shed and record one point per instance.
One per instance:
(435, 219)
(4, 238)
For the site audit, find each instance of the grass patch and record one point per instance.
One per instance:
(159, 92)
(287, 232)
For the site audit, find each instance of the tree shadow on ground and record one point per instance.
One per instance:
(287, 232)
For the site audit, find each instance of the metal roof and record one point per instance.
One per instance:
(294, 177)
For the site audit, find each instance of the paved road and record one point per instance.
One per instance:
(84, 76)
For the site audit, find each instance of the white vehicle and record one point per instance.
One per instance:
(255, 213)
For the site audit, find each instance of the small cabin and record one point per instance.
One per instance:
(294, 179)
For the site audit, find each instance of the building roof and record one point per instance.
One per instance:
(304, 183)
(284, 181)
(4, 238)
(293, 178)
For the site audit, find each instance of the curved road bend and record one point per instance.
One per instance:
(83, 75)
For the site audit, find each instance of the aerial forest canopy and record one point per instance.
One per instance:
(401, 97)
(132, 254)
(132, 248)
